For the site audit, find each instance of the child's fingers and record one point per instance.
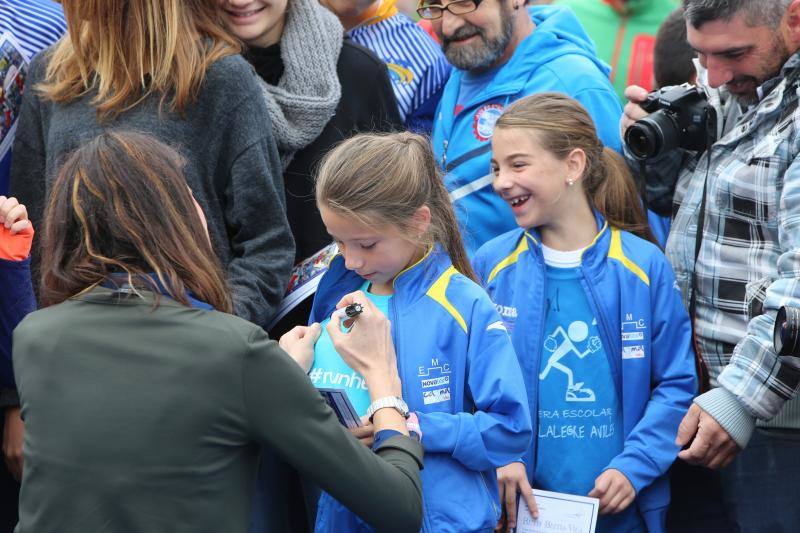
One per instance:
(511, 505)
(614, 498)
(20, 226)
(530, 500)
(619, 501)
(600, 486)
(16, 213)
(6, 205)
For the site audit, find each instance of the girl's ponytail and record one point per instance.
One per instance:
(561, 125)
(615, 195)
(444, 220)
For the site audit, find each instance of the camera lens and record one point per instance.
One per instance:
(652, 135)
(643, 140)
(786, 335)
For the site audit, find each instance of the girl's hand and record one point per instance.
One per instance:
(366, 433)
(513, 479)
(13, 215)
(299, 344)
(367, 347)
(614, 491)
(13, 435)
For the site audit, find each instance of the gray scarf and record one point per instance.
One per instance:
(306, 96)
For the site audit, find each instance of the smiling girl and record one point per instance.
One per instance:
(597, 322)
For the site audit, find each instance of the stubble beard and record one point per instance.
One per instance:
(483, 54)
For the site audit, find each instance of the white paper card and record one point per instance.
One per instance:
(558, 513)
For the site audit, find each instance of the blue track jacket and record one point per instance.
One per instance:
(643, 325)
(558, 56)
(460, 376)
(16, 301)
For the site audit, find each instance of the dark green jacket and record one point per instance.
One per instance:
(142, 419)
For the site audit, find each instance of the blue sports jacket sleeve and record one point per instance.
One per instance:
(499, 431)
(17, 301)
(650, 448)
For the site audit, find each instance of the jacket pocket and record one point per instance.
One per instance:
(458, 500)
(752, 182)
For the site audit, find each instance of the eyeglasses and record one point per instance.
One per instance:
(458, 7)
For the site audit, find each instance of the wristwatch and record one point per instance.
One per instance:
(389, 401)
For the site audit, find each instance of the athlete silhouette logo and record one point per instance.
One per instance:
(578, 331)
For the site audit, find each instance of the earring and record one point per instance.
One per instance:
(570, 182)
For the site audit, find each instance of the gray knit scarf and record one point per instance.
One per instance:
(306, 96)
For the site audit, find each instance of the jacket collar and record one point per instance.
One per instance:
(409, 285)
(593, 256)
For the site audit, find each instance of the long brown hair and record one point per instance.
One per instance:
(561, 124)
(383, 179)
(130, 49)
(120, 204)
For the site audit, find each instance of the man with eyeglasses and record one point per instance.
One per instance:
(503, 51)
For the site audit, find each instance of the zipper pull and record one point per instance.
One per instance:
(444, 155)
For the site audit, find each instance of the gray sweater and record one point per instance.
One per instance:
(232, 167)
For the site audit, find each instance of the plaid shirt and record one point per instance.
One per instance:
(749, 260)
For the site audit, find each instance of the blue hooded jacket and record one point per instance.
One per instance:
(16, 301)
(557, 56)
(643, 325)
(460, 376)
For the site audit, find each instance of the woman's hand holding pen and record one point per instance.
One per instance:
(367, 346)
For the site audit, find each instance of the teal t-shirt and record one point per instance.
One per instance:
(329, 370)
(580, 421)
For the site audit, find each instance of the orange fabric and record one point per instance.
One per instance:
(428, 27)
(377, 12)
(15, 247)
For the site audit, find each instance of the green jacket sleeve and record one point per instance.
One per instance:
(286, 413)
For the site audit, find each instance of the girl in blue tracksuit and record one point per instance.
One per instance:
(594, 314)
(385, 206)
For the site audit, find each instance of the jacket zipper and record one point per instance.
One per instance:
(444, 155)
(618, 49)
(536, 368)
(610, 350)
(395, 323)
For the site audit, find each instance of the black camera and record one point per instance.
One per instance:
(786, 336)
(680, 117)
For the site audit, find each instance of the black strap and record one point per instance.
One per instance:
(702, 370)
(698, 238)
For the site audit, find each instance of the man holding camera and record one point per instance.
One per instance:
(743, 190)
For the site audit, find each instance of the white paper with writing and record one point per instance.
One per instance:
(558, 513)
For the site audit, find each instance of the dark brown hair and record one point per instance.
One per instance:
(120, 204)
(383, 179)
(672, 55)
(561, 125)
(129, 49)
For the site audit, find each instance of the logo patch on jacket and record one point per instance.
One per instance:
(484, 121)
(633, 352)
(633, 333)
(432, 379)
(633, 329)
(400, 71)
